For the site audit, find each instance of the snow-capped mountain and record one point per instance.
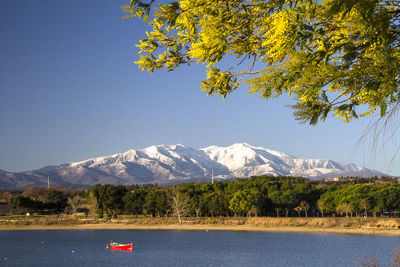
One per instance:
(168, 163)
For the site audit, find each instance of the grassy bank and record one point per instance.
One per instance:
(384, 226)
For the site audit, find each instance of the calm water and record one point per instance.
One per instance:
(189, 248)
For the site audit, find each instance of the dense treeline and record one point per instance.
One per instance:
(42, 200)
(255, 196)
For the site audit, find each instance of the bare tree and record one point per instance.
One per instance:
(321, 206)
(179, 203)
(198, 212)
(345, 208)
(77, 202)
(92, 203)
(305, 206)
(278, 210)
(365, 205)
(36, 193)
(298, 209)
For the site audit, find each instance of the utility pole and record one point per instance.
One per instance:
(48, 182)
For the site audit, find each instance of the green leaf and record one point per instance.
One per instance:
(383, 109)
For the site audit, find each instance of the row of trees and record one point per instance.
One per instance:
(361, 199)
(55, 200)
(255, 196)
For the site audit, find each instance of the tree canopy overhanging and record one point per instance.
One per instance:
(330, 56)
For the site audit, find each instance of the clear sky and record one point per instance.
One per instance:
(69, 90)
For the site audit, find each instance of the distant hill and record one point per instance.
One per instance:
(166, 164)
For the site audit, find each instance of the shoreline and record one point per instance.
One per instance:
(191, 227)
(327, 225)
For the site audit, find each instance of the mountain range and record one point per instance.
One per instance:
(166, 164)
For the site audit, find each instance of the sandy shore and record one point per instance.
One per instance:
(188, 227)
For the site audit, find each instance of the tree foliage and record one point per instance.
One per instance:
(254, 196)
(330, 56)
(21, 202)
(156, 202)
(56, 201)
(134, 201)
(109, 198)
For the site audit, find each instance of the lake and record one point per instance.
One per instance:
(189, 248)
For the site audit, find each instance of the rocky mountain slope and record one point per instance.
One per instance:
(165, 164)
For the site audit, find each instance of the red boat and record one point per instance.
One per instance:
(118, 246)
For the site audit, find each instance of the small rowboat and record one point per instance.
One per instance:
(118, 246)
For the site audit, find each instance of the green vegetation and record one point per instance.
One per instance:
(255, 196)
(331, 56)
(40, 200)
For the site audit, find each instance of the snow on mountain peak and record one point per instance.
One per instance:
(241, 155)
(162, 163)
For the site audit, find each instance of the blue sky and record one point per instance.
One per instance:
(69, 90)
